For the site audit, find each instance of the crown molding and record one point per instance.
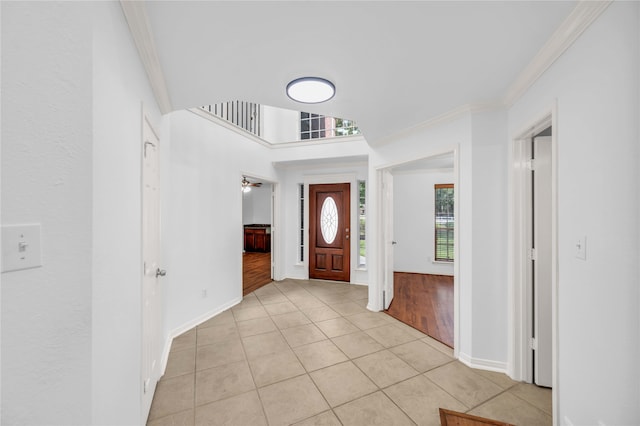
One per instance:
(446, 117)
(580, 18)
(135, 13)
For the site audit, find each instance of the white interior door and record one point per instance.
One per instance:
(151, 294)
(387, 217)
(542, 268)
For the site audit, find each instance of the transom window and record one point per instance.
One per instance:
(444, 222)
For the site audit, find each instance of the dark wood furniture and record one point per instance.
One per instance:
(257, 237)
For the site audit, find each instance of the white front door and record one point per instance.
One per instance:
(151, 294)
(387, 217)
(542, 268)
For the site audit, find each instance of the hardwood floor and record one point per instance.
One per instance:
(424, 302)
(256, 271)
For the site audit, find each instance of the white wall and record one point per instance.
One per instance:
(46, 178)
(120, 89)
(280, 125)
(596, 86)
(203, 233)
(414, 221)
(256, 205)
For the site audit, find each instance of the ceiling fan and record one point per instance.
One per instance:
(246, 184)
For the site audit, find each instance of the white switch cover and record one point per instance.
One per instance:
(21, 247)
(581, 248)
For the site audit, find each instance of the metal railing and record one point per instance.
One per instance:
(245, 115)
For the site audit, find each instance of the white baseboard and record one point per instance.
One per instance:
(189, 325)
(483, 364)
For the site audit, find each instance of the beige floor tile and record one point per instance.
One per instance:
(255, 326)
(280, 308)
(420, 398)
(323, 419)
(336, 327)
(223, 382)
(463, 384)
(511, 409)
(334, 298)
(348, 308)
(421, 356)
(389, 335)
(499, 379)
(180, 363)
(374, 409)
(308, 302)
(407, 328)
(251, 312)
(357, 344)
(303, 335)
(367, 320)
(534, 395)
(342, 383)
(172, 396)
(222, 318)
(244, 409)
(248, 301)
(438, 345)
(384, 368)
(184, 341)
(184, 418)
(264, 344)
(292, 319)
(220, 353)
(319, 355)
(357, 292)
(274, 297)
(272, 368)
(217, 333)
(291, 401)
(320, 313)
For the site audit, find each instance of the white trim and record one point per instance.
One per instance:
(191, 324)
(410, 172)
(519, 362)
(443, 118)
(580, 18)
(135, 13)
(482, 364)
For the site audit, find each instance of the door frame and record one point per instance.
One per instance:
(520, 357)
(378, 284)
(352, 179)
(276, 242)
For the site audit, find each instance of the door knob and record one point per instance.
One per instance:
(160, 272)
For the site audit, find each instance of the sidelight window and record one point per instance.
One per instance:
(444, 222)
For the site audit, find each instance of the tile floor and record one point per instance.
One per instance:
(309, 353)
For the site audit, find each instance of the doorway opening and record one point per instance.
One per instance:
(257, 233)
(533, 254)
(418, 211)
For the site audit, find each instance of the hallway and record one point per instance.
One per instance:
(308, 352)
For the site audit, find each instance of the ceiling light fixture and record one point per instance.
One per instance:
(311, 90)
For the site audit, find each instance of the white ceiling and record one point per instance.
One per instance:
(395, 64)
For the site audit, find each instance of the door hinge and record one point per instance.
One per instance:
(533, 343)
(533, 254)
(531, 164)
(384, 294)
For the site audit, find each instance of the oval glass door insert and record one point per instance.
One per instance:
(329, 220)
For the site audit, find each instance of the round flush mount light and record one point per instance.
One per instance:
(311, 90)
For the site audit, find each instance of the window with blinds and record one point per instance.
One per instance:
(444, 222)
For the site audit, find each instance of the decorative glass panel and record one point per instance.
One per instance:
(329, 220)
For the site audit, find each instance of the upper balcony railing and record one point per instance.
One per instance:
(245, 115)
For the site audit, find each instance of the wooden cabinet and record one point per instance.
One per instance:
(257, 238)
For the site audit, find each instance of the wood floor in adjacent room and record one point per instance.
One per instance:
(256, 271)
(424, 302)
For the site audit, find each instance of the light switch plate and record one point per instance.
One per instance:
(581, 247)
(21, 247)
